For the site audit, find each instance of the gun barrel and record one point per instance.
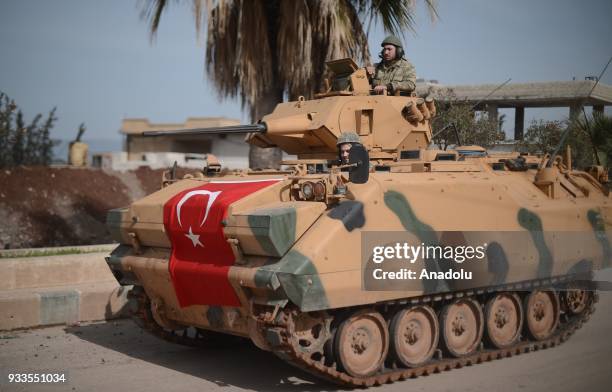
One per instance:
(257, 128)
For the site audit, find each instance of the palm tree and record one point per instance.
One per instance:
(264, 50)
(598, 130)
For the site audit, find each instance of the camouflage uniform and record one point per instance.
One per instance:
(396, 75)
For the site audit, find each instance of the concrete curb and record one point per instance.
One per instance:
(36, 252)
(61, 305)
(50, 290)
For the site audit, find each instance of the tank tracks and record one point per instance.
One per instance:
(191, 336)
(278, 328)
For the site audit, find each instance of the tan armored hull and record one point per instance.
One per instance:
(326, 263)
(314, 243)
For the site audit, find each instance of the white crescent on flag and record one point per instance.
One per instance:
(211, 199)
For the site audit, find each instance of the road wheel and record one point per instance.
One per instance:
(542, 314)
(361, 343)
(462, 327)
(414, 335)
(576, 300)
(504, 319)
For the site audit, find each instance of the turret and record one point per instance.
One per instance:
(309, 129)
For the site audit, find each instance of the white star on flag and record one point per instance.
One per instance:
(195, 238)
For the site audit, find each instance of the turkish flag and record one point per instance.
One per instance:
(201, 257)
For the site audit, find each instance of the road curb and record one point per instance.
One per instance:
(51, 290)
(36, 252)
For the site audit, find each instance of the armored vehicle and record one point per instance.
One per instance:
(290, 258)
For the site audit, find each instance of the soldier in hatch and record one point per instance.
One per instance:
(345, 142)
(394, 73)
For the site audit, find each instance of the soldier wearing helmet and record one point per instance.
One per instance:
(344, 143)
(394, 73)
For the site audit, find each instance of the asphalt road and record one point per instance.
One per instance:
(119, 356)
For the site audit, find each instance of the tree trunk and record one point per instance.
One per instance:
(265, 158)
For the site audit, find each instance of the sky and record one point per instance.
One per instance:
(95, 62)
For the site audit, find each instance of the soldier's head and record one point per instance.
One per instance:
(392, 49)
(345, 142)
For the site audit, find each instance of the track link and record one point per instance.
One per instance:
(280, 326)
(190, 336)
(386, 376)
(567, 327)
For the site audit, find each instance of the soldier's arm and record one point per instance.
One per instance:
(373, 77)
(404, 80)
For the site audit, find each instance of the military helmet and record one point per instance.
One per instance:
(392, 40)
(348, 137)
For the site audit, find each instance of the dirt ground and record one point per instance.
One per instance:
(60, 206)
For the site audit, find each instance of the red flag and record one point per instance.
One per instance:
(201, 257)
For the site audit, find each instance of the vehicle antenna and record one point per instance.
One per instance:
(452, 123)
(586, 120)
(567, 130)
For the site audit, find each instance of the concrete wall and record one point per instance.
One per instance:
(231, 149)
(63, 289)
(155, 160)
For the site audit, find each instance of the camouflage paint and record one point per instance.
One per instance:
(350, 213)
(497, 263)
(214, 315)
(597, 222)
(114, 263)
(397, 203)
(581, 267)
(274, 229)
(266, 279)
(113, 223)
(299, 279)
(531, 222)
(451, 238)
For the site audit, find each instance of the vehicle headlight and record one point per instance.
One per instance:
(307, 189)
(319, 190)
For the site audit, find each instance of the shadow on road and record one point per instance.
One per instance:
(243, 365)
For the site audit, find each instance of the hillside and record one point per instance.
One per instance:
(59, 206)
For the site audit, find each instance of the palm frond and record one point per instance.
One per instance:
(198, 11)
(600, 127)
(238, 53)
(152, 10)
(259, 48)
(312, 32)
(432, 10)
(396, 15)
